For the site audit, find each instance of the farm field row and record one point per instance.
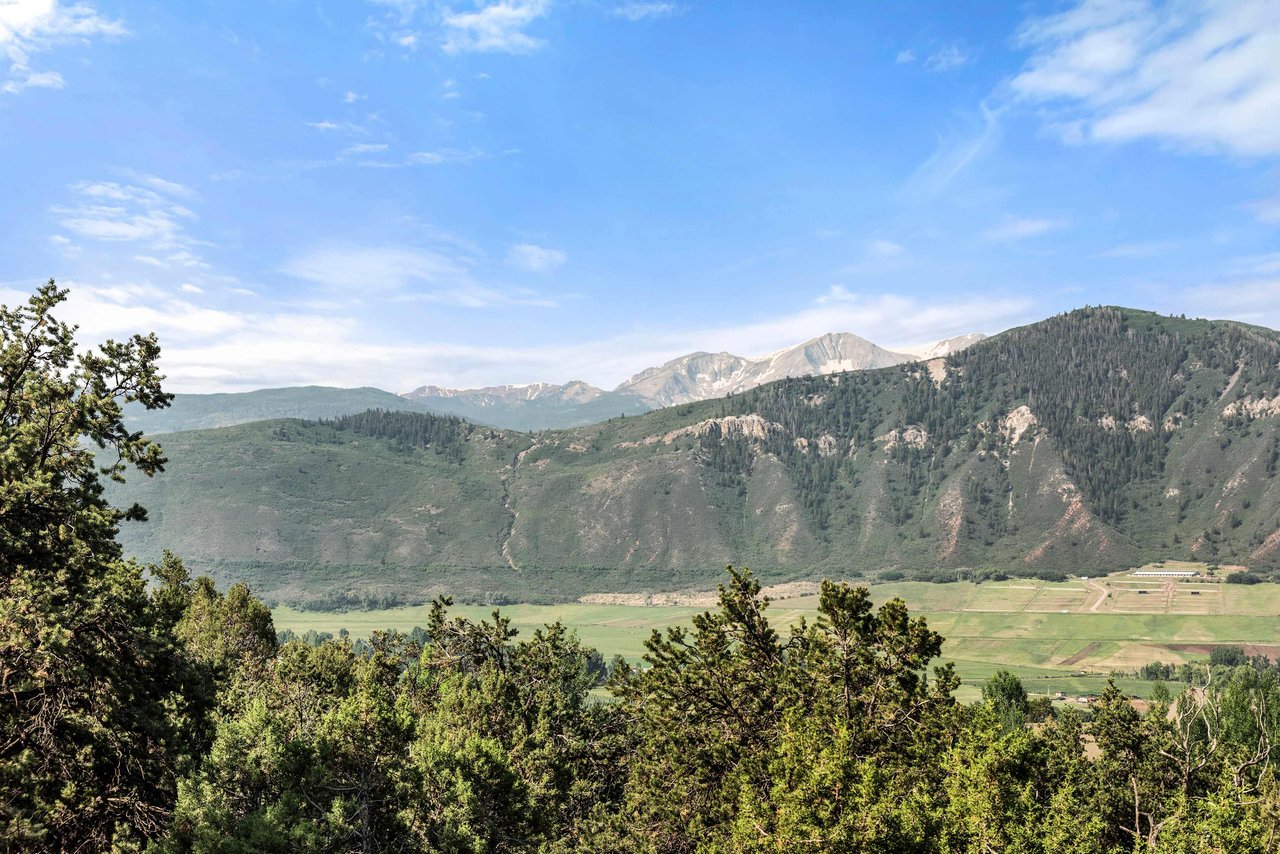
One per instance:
(986, 627)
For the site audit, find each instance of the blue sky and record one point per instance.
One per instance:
(402, 192)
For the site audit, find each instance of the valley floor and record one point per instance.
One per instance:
(1057, 637)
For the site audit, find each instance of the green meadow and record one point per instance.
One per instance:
(1046, 633)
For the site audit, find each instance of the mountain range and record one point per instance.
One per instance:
(1088, 442)
(540, 406)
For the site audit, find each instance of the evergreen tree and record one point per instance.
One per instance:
(89, 668)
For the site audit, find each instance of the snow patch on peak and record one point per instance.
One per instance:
(947, 346)
(701, 376)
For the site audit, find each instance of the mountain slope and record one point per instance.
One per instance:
(1084, 443)
(201, 411)
(529, 407)
(947, 346)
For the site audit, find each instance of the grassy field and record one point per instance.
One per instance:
(1048, 634)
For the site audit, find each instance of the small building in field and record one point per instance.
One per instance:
(1165, 573)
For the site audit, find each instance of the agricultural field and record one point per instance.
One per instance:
(1055, 636)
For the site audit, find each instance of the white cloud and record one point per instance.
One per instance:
(103, 311)
(948, 58)
(954, 155)
(443, 156)
(1251, 300)
(406, 8)
(352, 97)
(1253, 266)
(1198, 74)
(1267, 210)
(111, 211)
(191, 289)
(404, 273)
(534, 258)
(346, 127)
(884, 248)
(373, 269)
(905, 57)
(21, 78)
(183, 258)
(161, 185)
(37, 26)
(890, 320)
(365, 148)
(494, 28)
(1148, 249)
(1020, 228)
(644, 11)
(138, 227)
(64, 244)
(237, 351)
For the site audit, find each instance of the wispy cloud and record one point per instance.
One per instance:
(443, 156)
(878, 256)
(65, 245)
(948, 58)
(1147, 249)
(141, 227)
(1267, 210)
(1021, 228)
(374, 269)
(954, 154)
(345, 127)
(905, 57)
(1199, 74)
(36, 26)
(646, 11)
(424, 274)
(534, 258)
(111, 211)
(494, 28)
(882, 248)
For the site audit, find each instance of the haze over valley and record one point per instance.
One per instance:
(537, 406)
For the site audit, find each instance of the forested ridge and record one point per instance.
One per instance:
(1091, 441)
(1109, 386)
(144, 710)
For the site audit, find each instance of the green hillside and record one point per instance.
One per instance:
(1091, 441)
(537, 413)
(204, 411)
